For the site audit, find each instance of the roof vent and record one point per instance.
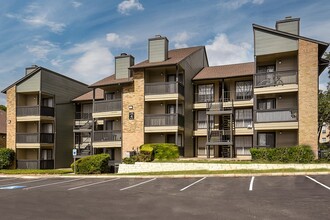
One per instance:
(123, 54)
(288, 17)
(158, 35)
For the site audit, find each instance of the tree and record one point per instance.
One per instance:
(2, 107)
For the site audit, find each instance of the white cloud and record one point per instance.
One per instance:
(220, 51)
(95, 61)
(235, 4)
(323, 86)
(120, 41)
(180, 40)
(41, 49)
(128, 5)
(76, 4)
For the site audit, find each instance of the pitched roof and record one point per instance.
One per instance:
(34, 72)
(3, 122)
(88, 96)
(174, 57)
(111, 80)
(225, 71)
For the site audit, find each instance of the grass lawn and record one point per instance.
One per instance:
(17, 171)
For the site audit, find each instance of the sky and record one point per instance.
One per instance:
(80, 38)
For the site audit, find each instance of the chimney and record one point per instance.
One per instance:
(122, 63)
(30, 69)
(289, 25)
(158, 49)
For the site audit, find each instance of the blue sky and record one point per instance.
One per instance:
(80, 38)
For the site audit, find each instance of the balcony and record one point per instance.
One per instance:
(107, 108)
(276, 119)
(163, 123)
(34, 138)
(164, 91)
(275, 82)
(219, 108)
(32, 113)
(219, 137)
(35, 164)
(107, 138)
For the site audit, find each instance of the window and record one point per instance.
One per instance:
(243, 145)
(324, 140)
(243, 118)
(324, 129)
(46, 154)
(266, 139)
(243, 90)
(264, 104)
(202, 120)
(171, 139)
(205, 93)
(266, 69)
(171, 109)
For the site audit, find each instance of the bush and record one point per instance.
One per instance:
(7, 157)
(296, 154)
(94, 164)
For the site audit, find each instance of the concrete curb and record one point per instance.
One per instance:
(162, 176)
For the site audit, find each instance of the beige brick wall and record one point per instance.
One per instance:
(133, 130)
(11, 117)
(308, 94)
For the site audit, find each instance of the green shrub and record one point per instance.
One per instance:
(130, 160)
(146, 154)
(7, 157)
(94, 164)
(296, 154)
(166, 151)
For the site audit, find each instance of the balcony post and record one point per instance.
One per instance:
(177, 103)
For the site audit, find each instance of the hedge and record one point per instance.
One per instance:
(7, 157)
(159, 151)
(94, 164)
(296, 154)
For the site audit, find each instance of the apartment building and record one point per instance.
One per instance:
(3, 128)
(324, 137)
(40, 118)
(174, 96)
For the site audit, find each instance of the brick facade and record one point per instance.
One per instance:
(11, 118)
(308, 94)
(133, 130)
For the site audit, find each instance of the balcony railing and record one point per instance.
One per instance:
(35, 138)
(203, 124)
(107, 106)
(105, 136)
(277, 115)
(219, 106)
(83, 115)
(35, 164)
(276, 78)
(163, 120)
(27, 164)
(35, 111)
(219, 136)
(204, 98)
(161, 88)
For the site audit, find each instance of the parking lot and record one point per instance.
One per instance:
(260, 197)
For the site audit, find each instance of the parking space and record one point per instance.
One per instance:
(286, 197)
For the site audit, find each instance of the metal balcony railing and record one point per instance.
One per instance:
(219, 136)
(34, 111)
(275, 78)
(35, 138)
(277, 115)
(237, 96)
(83, 115)
(202, 124)
(163, 120)
(105, 136)
(27, 164)
(107, 106)
(160, 88)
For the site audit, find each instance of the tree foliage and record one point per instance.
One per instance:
(2, 107)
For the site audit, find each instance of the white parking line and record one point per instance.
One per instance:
(138, 184)
(50, 184)
(325, 186)
(192, 184)
(92, 184)
(7, 179)
(251, 184)
(31, 181)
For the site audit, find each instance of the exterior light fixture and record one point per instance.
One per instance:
(130, 107)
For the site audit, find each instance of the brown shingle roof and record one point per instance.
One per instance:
(224, 71)
(99, 94)
(3, 122)
(111, 80)
(174, 57)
